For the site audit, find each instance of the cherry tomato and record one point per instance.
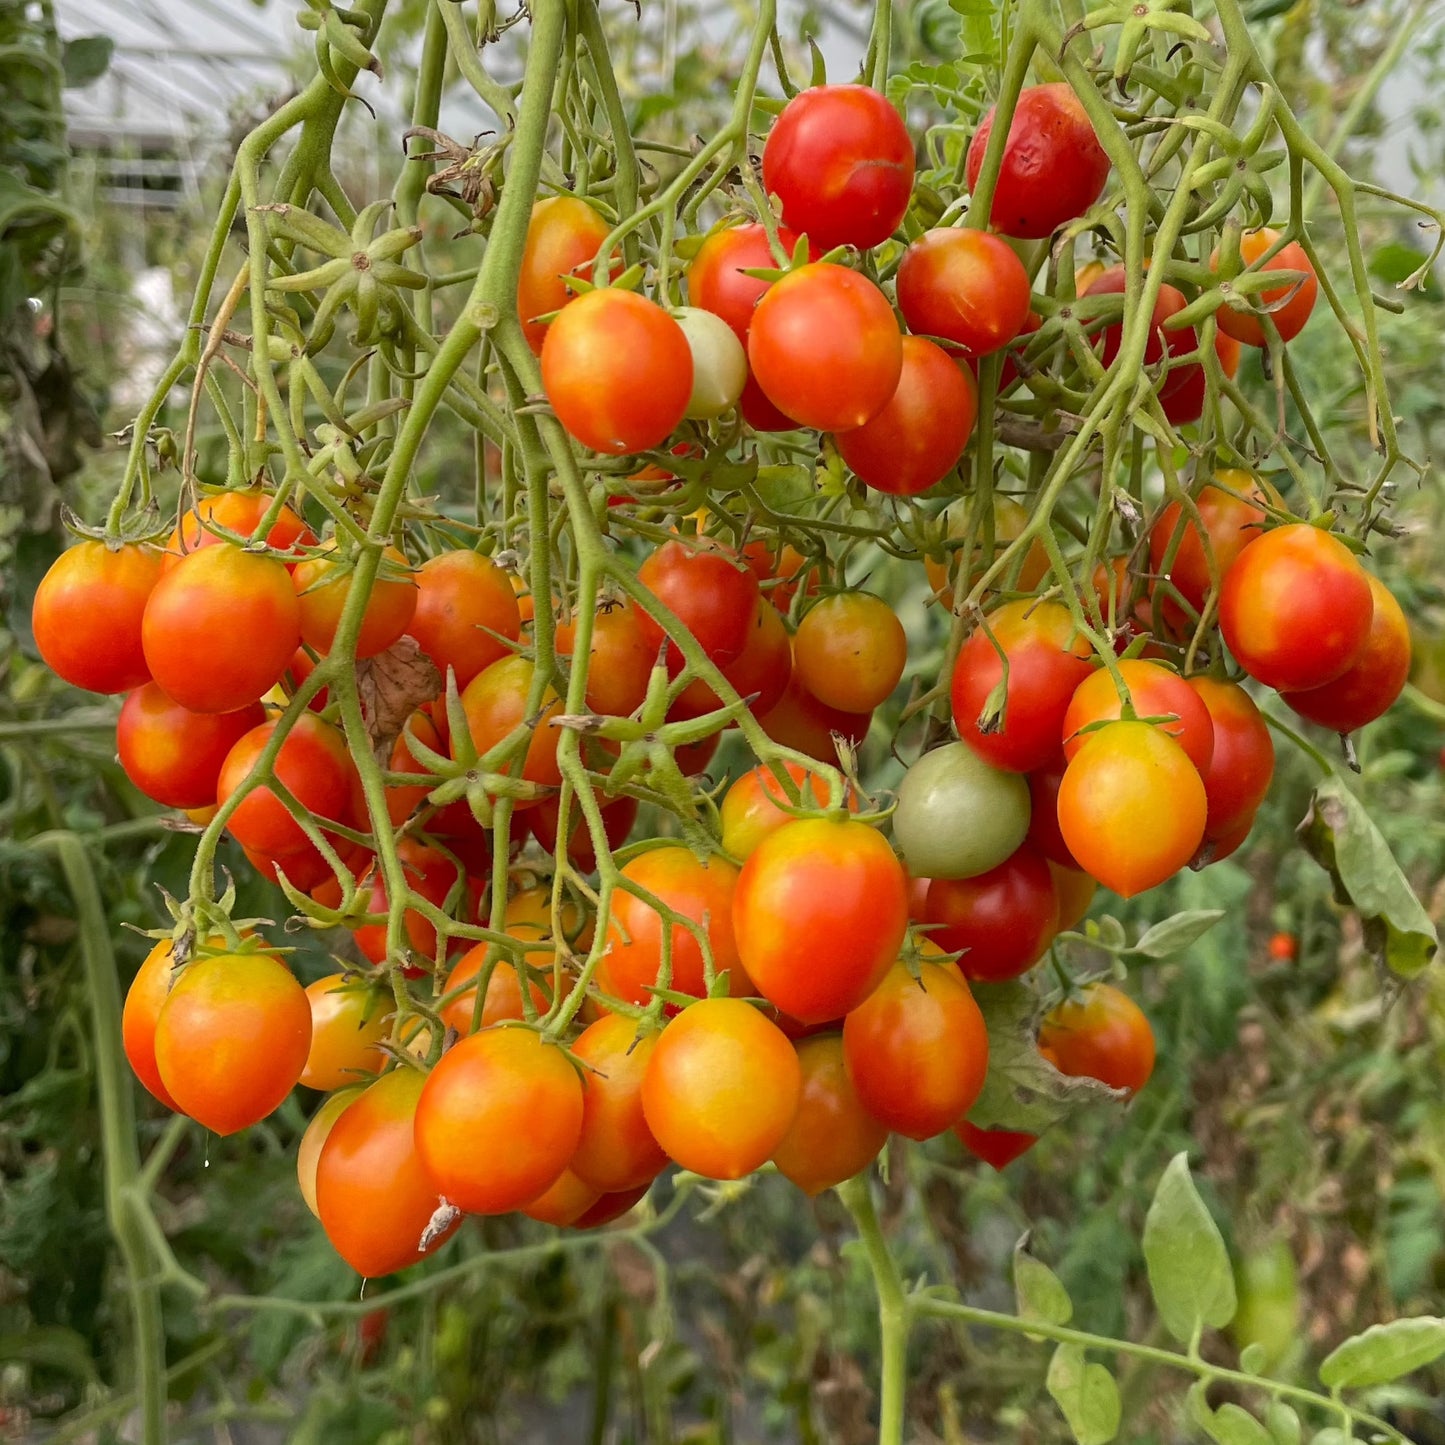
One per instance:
(998, 1148)
(1366, 689)
(564, 235)
(87, 615)
(721, 1089)
(778, 566)
(232, 1037)
(703, 892)
(173, 756)
(825, 347)
(1046, 663)
(751, 808)
(1014, 368)
(850, 651)
(241, 513)
(323, 585)
(563, 1202)
(373, 1196)
(1283, 947)
(617, 370)
(610, 1207)
(760, 671)
(1101, 1035)
(1132, 807)
(618, 819)
(402, 800)
(1243, 763)
(840, 160)
(1295, 608)
(1161, 343)
(1053, 166)
(717, 279)
(1266, 1285)
(617, 1150)
(833, 1137)
(965, 286)
(1043, 835)
(1009, 520)
(710, 592)
(348, 1020)
(1185, 403)
(1076, 892)
(1288, 306)
(503, 997)
(619, 661)
(956, 816)
(799, 721)
(917, 1049)
(143, 1002)
(1000, 921)
(498, 1120)
(462, 600)
(318, 1129)
(431, 875)
(719, 363)
(495, 704)
(307, 870)
(919, 435)
(819, 914)
(1155, 692)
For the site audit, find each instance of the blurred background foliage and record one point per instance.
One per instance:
(1307, 1090)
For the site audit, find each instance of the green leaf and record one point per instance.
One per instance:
(1087, 1395)
(86, 58)
(1173, 935)
(1040, 1292)
(1384, 1353)
(1189, 1271)
(1284, 1426)
(1340, 836)
(1234, 1425)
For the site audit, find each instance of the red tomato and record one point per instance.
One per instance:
(1161, 343)
(716, 279)
(563, 238)
(610, 1207)
(1283, 947)
(721, 1089)
(1243, 762)
(1185, 403)
(143, 1002)
(1001, 921)
(620, 660)
(618, 819)
(819, 915)
(462, 600)
(917, 1049)
(918, 437)
(1053, 166)
(1101, 1035)
(801, 722)
(617, 1150)
(751, 808)
(403, 800)
(1288, 306)
(965, 286)
(1295, 608)
(1043, 835)
(833, 1137)
(710, 592)
(495, 704)
(760, 671)
(1366, 689)
(241, 513)
(759, 413)
(373, 1197)
(617, 370)
(850, 651)
(1047, 662)
(825, 347)
(173, 756)
(87, 615)
(323, 585)
(232, 1037)
(498, 1120)
(840, 160)
(306, 870)
(777, 566)
(429, 874)
(1155, 692)
(1132, 807)
(314, 766)
(349, 1019)
(998, 1148)
(1076, 892)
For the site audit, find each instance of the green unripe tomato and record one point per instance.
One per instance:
(958, 817)
(719, 363)
(1267, 1286)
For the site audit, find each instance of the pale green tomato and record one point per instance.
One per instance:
(719, 363)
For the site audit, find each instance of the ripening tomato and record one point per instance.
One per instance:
(349, 1018)
(965, 286)
(840, 160)
(1295, 608)
(998, 1148)
(232, 1037)
(174, 756)
(800, 721)
(1053, 166)
(431, 875)
(1288, 306)
(1076, 892)
(314, 1136)
(833, 1137)
(402, 799)
(956, 816)
(1001, 921)
(819, 914)
(502, 1000)
(1132, 807)
(617, 1151)
(1115, 585)
(241, 513)
(1009, 521)
(919, 435)
(373, 1196)
(825, 347)
(1243, 762)
(850, 650)
(711, 593)
(916, 1048)
(751, 809)
(306, 870)
(499, 1119)
(760, 671)
(1366, 689)
(721, 1089)
(495, 704)
(143, 1002)
(465, 606)
(617, 370)
(1014, 367)
(1185, 403)
(618, 819)
(1155, 692)
(610, 1207)
(564, 235)
(780, 569)
(1162, 343)
(1046, 663)
(717, 279)
(1102, 1035)
(323, 585)
(87, 615)
(719, 363)
(702, 892)
(620, 659)
(563, 1202)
